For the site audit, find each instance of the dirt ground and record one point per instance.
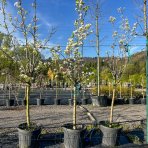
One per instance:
(53, 116)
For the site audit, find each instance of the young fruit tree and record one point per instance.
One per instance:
(72, 63)
(27, 49)
(117, 57)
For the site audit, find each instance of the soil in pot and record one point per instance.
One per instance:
(110, 135)
(72, 138)
(28, 137)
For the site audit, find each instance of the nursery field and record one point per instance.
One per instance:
(53, 117)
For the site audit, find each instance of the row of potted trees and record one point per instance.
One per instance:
(28, 58)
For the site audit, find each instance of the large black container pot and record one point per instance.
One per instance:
(120, 101)
(84, 101)
(28, 138)
(24, 102)
(144, 130)
(109, 135)
(95, 100)
(10, 102)
(103, 100)
(40, 102)
(143, 101)
(72, 138)
(70, 102)
(131, 101)
(57, 102)
(99, 101)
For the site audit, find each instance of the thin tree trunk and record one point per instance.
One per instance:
(40, 92)
(120, 91)
(74, 109)
(27, 104)
(71, 92)
(142, 89)
(112, 106)
(56, 89)
(109, 89)
(9, 92)
(131, 92)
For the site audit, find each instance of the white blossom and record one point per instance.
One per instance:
(112, 19)
(17, 4)
(115, 33)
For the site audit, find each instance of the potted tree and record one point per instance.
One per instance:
(41, 75)
(7, 72)
(116, 62)
(27, 55)
(72, 68)
(57, 75)
(131, 99)
(143, 99)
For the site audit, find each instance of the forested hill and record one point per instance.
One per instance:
(136, 67)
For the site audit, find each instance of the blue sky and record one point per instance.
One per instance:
(61, 14)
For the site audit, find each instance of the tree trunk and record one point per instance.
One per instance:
(74, 109)
(131, 92)
(112, 106)
(56, 89)
(109, 89)
(120, 91)
(9, 91)
(27, 104)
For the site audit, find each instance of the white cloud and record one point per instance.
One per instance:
(44, 21)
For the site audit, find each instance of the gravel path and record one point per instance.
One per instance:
(48, 116)
(53, 117)
(121, 112)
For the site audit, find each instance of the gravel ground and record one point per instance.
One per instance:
(121, 112)
(53, 117)
(49, 116)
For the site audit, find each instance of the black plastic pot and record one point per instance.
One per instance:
(110, 135)
(99, 101)
(9, 102)
(143, 101)
(131, 100)
(57, 101)
(103, 101)
(28, 138)
(95, 100)
(40, 102)
(24, 102)
(84, 101)
(72, 138)
(70, 102)
(143, 123)
(120, 101)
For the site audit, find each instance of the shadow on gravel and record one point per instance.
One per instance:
(51, 139)
(8, 141)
